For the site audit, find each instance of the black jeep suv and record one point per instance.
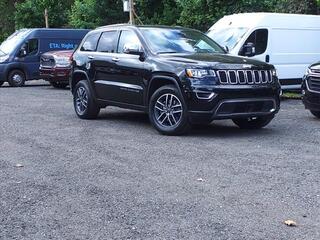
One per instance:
(311, 89)
(177, 75)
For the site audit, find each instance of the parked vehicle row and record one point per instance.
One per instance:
(179, 76)
(20, 53)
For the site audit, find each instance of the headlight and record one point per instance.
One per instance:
(199, 73)
(4, 58)
(62, 62)
(274, 72)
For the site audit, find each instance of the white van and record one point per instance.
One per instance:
(290, 42)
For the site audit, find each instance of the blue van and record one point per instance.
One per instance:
(20, 53)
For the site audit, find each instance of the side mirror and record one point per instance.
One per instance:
(249, 50)
(226, 49)
(133, 49)
(23, 52)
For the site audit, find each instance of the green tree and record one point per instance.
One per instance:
(93, 13)
(163, 12)
(30, 13)
(7, 20)
(83, 14)
(298, 6)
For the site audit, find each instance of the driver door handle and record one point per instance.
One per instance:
(115, 59)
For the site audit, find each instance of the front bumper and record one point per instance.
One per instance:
(55, 74)
(310, 99)
(2, 72)
(229, 102)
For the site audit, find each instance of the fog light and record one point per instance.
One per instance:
(205, 95)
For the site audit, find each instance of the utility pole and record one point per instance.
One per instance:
(131, 12)
(46, 18)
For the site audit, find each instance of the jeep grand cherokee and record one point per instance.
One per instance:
(179, 76)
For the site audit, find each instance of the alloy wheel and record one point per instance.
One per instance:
(168, 110)
(81, 100)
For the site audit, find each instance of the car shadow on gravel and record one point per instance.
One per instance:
(216, 129)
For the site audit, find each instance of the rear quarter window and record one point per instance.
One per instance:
(90, 43)
(108, 42)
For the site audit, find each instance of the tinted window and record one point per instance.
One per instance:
(128, 38)
(260, 39)
(32, 46)
(108, 42)
(90, 43)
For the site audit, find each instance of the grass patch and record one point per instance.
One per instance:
(291, 95)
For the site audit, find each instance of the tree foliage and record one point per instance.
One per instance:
(30, 13)
(200, 14)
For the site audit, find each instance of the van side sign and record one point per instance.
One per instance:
(62, 46)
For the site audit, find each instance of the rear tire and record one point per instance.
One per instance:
(16, 78)
(1, 83)
(168, 112)
(59, 85)
(315, 113)
(253, 123)
(84, 103)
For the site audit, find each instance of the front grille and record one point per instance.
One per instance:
(47, 62)
(244, 77)
(314, 83)
(246, 107)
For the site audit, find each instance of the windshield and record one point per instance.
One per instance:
(164, 40)
(11, 42)
(228, 37)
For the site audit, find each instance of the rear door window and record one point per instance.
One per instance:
(90, 44)
(108, 42)
(128, 38)
(260, 40)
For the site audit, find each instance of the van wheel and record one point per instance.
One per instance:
(253, 123)
(16, 78)
(168, 112)
(59, 85)
(316, 113)
(1, 83)
(84, 103)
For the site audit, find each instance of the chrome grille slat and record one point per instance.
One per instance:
(242, 77)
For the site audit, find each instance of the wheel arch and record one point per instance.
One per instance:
(76, 77)
(158, 81)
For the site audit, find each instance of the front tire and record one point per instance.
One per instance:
(16, 78)
(59, 85)
(83, 101)
(168, 112)
(253, 123)
(1, 83)
(315, 113)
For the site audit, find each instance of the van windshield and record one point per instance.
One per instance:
(228, 37)
(11, 42)
(166, 40)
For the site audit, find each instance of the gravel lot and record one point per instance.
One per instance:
(117, 178)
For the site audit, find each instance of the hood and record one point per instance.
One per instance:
(217, 61)
(67, 53)
(315, 66)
